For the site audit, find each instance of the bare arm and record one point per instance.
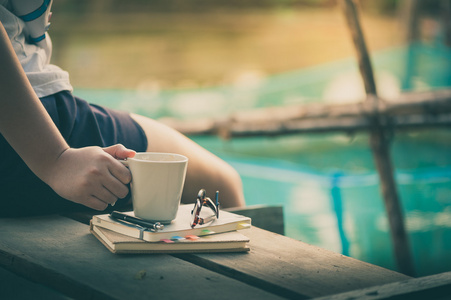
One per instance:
(88, 176)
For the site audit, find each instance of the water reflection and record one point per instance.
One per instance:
(357, 226)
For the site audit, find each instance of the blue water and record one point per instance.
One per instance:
(327, 183)
(341, 208)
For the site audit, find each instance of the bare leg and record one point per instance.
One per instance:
(205, 170)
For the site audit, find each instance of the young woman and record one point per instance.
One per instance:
(56, 147)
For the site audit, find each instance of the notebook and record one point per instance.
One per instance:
(181, 226)
(232, 241)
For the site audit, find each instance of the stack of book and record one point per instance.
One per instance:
(220, 235)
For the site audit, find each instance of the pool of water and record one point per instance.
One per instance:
(327, 183)
(331, 197)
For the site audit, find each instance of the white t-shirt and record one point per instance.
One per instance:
(45, 78)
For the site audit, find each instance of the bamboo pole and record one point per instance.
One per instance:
(417, 110)
(379, 141)
(409, 15)
(446, 9)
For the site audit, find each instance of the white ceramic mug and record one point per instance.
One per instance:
(157, 184)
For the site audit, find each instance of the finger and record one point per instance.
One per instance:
(116, 187)
(105, 196)
(94, 203)
(119, 151)
(120, 172)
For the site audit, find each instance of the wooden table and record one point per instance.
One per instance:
(56, 257)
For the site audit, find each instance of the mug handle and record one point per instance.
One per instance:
(124, 162)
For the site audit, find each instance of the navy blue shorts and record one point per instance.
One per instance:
(81, 124)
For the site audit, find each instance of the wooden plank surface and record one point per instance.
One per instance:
(268, 217)
(433, 287)
(295, 269)
(61, 253)
(17, 288)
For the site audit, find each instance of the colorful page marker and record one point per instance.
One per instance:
(167, 241)
(243, 226)
(206, 231)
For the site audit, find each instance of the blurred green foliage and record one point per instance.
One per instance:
(130, 6)
(118, 6)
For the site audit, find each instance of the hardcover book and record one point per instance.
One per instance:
(181, 226)
(232, 241)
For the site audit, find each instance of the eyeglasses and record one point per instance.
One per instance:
(202, 201)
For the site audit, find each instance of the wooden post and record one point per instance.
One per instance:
(380, 146)
(446, 9)
(409, 13)
(409, 10)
